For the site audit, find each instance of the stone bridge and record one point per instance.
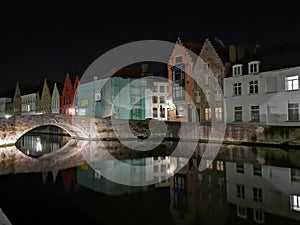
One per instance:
(13, 128)
(89, 128)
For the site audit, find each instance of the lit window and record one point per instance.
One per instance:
(293, 112)
(253, 87)
(254, 113)
(295, 202)
(209, 164)
(207, 114)
(291, 83)
(237, 88)
(240, 191)
(257, 194)
(238, 113)
(218, 113)
(220, 165)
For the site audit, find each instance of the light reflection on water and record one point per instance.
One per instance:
(242, 185)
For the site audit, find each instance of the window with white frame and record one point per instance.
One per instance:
(253, 67)
(237, 88)
(292, 83)
(295, 202)
(180, 110)
(238, 113)
(207, 95)
(257, 194)
(197, 97)
(207, 114)
(254, 113)
(162, 89)
(240, 190)
(154, 99)
(240, 167)
(258, 216)
(237, 70)
(295, 175)
(253, 87)
(218, 95)
(162, 99)
(218, 113)
(241, 211)
(293, 111)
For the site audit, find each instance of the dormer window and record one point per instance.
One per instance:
(253, 67)
(237, 70)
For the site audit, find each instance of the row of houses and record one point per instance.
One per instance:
(51, 97)
(235, 87)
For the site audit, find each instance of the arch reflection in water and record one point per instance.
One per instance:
(42, 140)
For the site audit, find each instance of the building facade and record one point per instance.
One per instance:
(44, 100)
(67, 99)
(206, 67)
(17, 101)
(55, 100)
(29, 103)
(121, 96)
(3, 106)
(255, 97)
(159, 104)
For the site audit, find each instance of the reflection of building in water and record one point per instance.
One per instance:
(264, 193)
(37, 145)
(162, 170)
(199, 196)
(92, 177)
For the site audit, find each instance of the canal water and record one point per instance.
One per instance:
(242, 185)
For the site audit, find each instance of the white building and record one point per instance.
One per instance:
(3, 102)
(29, 103)
(160, 104)
(55, 100)
(271, 97)
(264, 190)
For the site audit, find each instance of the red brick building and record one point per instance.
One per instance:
(67, 99)
(190, 102)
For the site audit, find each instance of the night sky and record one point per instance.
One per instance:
(47, 40)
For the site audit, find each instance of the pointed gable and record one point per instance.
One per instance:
(17, 92)
(67, 89)
(46, 92)
(76, 83)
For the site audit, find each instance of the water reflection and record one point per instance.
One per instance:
(42, 141)
(242, 185)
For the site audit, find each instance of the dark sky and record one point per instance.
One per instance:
(46, 40)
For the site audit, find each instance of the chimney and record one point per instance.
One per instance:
(232, 53)
(240, 52)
